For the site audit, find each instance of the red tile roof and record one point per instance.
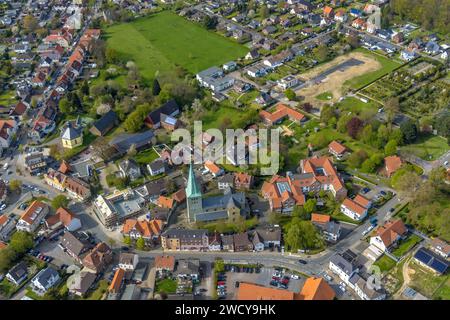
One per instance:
(320, 218)
(337, 147)
(390, 231)
(392, 163)
(281, 112)
(249, 291)
(165, 262)
(317, 289)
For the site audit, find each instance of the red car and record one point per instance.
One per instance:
(220, 283)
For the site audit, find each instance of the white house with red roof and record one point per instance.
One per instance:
(357, 208)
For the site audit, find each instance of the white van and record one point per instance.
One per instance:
(5, 166)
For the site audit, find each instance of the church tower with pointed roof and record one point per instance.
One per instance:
(193, 196)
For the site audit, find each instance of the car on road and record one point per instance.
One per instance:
(302, 261)
(342, 288)
(383, 193)
(125, 248)
(2, 207)
(365, 190)
(294, 277)
(391, 210)
(327, 277)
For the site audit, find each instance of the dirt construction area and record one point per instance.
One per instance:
(331, 76)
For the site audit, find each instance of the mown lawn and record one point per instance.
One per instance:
(161, 41)
(385, 263)
(427, 147)
(355, 105)
(166, 286)
(97, 294)
(325, 96)
(146, 156)
(406, 245)
(387, 66)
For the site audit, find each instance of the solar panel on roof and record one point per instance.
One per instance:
(439, 266)
(422, 256)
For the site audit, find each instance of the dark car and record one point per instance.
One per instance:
(391, 210)
(125, 248)
(302, 261)
(383, 193)
(274, 283)
(365, 190)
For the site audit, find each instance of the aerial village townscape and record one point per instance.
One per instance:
(94, 207)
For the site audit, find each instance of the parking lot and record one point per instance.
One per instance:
(263, 278)
(51, 248)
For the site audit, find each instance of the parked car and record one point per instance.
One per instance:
(294, 276)
(302, 261)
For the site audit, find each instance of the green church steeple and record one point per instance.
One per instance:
(192, 189)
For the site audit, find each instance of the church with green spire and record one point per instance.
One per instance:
(229, 206)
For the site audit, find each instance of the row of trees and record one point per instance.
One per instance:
(19, 244)
(428, 208)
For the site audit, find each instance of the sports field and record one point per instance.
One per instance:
(161, 41)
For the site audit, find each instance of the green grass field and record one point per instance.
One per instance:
(430, 285)
(387, 66)
(166, 286)
(161, 41)
(385, 263)
(406, 245)
(427, 147)
(325, 96)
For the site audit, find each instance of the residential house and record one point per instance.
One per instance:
(35, 163)
(165, 263)
(340, 16)
(7, 226)
(129, 168)
(281, 112)
(252, 54)
(8, 129)
(166, 202)
(392, 164)
(288, 82)
(398, 37)
(328, 12)
(344, 265)
(188, 268)
(170, 109)
(243, 180)
(258, 244)
(431, 261)
(63, 218)
(215, 242)
(359, 23)
(128, 261)
(45, 279)
(77, 189)
(331, 231)
(364, 290)
(389, 235)
(80, 284)
(18, 273)
(242, 242)
(337, 149)
(214, 79)
(184, 239)
(32, 217)
(257, 70)
(432, 48)
(149, 230)
(117, 282)
(408, 55)
(270, 237)
(214, 169)
(98, 258)
(282, 194)
(156, 167)
(227, 242)
(355, 208)
(439, 246)
(74, 246)
(229, 66)
(102, 126)
(225, 181)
